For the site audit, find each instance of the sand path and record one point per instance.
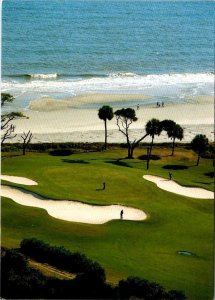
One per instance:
(71, 210)
(173, 187)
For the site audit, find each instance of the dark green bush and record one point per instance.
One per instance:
(62, 258)
(19, 281)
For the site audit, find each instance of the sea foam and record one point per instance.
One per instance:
(172, 86)
(42, 76)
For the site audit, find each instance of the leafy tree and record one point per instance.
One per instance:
(27, 137)
(153, 127)
(105, 113)
(176, 295)
(125, 117)
(5, 97)
(20, 281)
(15, 260)
(7, 127)
(199, 144)
(140, 288)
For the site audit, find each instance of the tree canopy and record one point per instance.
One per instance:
(5, 97)
(106, 113)
(153, 127)
(126, 115)
(199, 144)
(7, 127)
(174, 131)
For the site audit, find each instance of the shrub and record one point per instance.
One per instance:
(62, 258)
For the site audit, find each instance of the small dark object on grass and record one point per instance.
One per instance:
(170, 176)
(175, 167)
(104, 185)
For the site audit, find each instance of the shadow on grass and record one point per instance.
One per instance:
(201, 182)
(75, 161)
(118, 163)
(175, 167)
(210, 174)
(60, 152)
(153, 157)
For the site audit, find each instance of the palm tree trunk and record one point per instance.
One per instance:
(105, 134)
(148, 158)
(198, 158)
(173, 146)
(23, 149)
(150, 152)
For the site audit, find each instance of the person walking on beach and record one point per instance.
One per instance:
(104, 185)
(170, 176)
(121, 214)
(162, 104)
(138, 106)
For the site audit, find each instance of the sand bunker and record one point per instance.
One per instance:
(71, 210)
(19, 180)
(173, 187)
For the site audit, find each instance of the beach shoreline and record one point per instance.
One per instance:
(69, 121)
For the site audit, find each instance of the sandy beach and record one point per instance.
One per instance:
(70, 121)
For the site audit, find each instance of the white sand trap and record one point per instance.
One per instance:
(19, 180)
(72, 210)
(173, 187)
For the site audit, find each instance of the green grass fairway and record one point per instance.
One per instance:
(147, 249)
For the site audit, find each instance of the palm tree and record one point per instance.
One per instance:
(105, 113)
(199, 145)
(153, 127)
(176, 132)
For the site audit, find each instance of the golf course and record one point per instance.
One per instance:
(172, 246)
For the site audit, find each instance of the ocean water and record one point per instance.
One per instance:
(63, 48)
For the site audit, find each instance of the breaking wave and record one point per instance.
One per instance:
(42, 76)
(156, 85)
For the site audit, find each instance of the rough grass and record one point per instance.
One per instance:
(147, 249)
